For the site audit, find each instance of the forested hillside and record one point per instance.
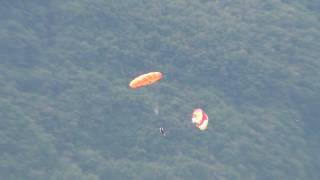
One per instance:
(67, 113)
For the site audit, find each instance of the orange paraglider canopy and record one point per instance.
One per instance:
(145, 80)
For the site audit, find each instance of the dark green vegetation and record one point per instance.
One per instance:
(66, 112)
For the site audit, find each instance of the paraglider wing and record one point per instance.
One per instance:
(145, 80)
(200, 119)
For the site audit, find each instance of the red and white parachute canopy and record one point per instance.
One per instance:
(200, 119)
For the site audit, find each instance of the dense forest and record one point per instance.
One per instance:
(67, 113)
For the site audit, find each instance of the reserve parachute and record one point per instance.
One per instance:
(200, 119)
(145, 80)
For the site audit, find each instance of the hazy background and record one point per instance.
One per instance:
(66, 112)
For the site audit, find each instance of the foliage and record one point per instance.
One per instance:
(67, 112)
